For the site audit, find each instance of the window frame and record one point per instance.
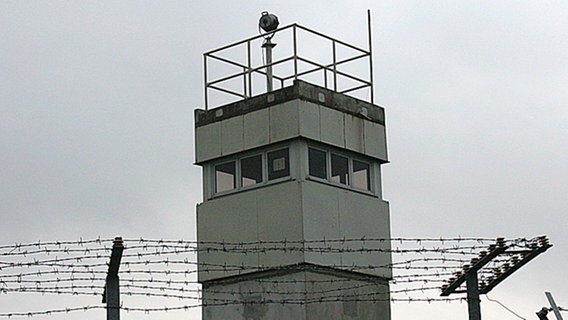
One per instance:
(371, 189)
(237, 160)
(241, 176)
(268, 165)
(326, 174)
(215, 184)
(347, 175)
(369, 177)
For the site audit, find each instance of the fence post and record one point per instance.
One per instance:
(111, 295)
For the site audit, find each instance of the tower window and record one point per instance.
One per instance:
(251, 170)
(361, 175)
(317, 164)
(225, 177)
(278, 164)
(339, 169)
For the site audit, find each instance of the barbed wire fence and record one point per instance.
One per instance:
(163, 272)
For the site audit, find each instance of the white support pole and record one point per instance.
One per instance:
(268, 45)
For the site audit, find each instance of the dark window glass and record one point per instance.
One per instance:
(361, 175)
(251, 170)
(278, 164)
(339, 169)
(317, 163)
(225, 177)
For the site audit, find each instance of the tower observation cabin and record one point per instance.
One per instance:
(292, 223)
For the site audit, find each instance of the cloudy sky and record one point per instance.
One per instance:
(96, 122)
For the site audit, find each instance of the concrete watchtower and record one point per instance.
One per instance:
(293, 224)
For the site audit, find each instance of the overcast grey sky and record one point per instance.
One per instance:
(96, 122)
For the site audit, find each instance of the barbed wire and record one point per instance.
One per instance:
(167, 269)
(19, 248)
(127, 290)
(226, 303)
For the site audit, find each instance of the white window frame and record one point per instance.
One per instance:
(328, 151)
(238, 172)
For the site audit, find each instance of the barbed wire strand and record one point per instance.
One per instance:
(79, 271)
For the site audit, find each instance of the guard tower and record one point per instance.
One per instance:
(292, 224)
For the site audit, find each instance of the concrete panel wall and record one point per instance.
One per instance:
(349, 298)
(304, 295)
(232, 135)
(256, 129)
(335, 213)
(321, 221)
(366, 217)
(309, 116)
(208, 141)
(354, 133)
(294, 211)
(261, 214)
(284, 121)
(375, 140)
(289, 120)
(280, 219)
(332, 127)
(219, 222)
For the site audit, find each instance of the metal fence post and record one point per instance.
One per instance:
(473, 306)
(111, 295)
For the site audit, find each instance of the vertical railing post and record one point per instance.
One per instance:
(249, 65)
(245, 83)
(205, 84)
(294, 37)
(370, 56)
(334, 65)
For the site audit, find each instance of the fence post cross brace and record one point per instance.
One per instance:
(111, 294)
(491, 268)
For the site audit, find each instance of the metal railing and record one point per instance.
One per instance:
(331, 72)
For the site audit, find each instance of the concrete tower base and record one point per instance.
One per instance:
(300, 292)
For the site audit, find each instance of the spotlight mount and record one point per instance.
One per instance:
(268, 22)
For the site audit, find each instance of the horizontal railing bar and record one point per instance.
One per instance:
(327, 67)
(236, 75)
(355, 88)
(226, 78)
(336, 71)
(303, 73)
(332, 39)
(210, 53)
(249, 39)
(258, 69)
(264, 73)
(348, 60)
(227, 91)
(320, 66)
(227, 61)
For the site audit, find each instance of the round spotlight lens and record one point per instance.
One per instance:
(268, 22)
